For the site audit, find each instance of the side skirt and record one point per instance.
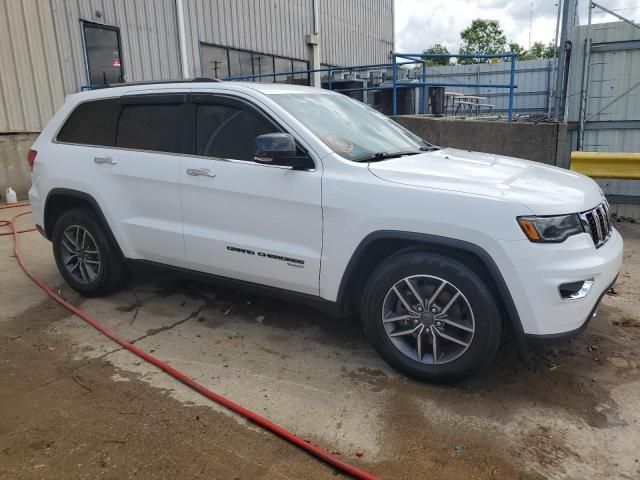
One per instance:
(326, 306)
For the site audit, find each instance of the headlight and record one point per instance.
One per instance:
(550, 229)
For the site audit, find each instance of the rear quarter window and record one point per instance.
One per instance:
(92, 123)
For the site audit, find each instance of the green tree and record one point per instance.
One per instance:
(439, 49)
(537, 51)
(517, 49)
(484, 37)
(540, 50)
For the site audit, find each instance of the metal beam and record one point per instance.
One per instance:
(624, 199)
(563, 56)
(617, 15)
(613, 125)
(615, 46)
(582, 117)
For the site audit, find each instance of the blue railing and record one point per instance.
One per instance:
(396, 83)
(421, 57)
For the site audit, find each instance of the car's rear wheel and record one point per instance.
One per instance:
(431, 317)
(84, 255)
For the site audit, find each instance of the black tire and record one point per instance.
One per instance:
(488, 323)
(111, 274)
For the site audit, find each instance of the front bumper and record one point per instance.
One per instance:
(535, 272)
(571, 333)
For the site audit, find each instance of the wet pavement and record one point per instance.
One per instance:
(572, 411)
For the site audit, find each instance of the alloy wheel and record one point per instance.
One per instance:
(428, 319)
(80, 255)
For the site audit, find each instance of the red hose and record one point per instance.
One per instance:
(178, 375)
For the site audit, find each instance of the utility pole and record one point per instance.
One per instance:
(563, 55)
(586, 68)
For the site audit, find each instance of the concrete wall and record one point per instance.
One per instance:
(14, 171)
(542, 142)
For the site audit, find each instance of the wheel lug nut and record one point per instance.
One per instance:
(438, 324)
(434, 310)
(419, 309)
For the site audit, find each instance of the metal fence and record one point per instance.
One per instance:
(534, 80)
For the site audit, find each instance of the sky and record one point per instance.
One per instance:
(421, 23)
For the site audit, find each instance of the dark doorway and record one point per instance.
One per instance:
(103, 53)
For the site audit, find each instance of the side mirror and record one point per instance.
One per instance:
(280, 149)
(274, 146)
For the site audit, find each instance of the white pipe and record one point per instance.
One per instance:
(182, 39)
(316, 19)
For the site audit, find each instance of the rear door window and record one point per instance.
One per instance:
(92, 123)
(155, 123)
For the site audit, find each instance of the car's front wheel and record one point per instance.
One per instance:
(431, 317)
(85, 257)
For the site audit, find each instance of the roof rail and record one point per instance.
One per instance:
(205, 79)
(149, 82)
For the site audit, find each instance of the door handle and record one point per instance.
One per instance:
(104, 160)
(200, 172)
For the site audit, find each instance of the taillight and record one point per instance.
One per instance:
(31, 158)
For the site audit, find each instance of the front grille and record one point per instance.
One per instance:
(597, 222)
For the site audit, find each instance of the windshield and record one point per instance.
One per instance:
(350, 128)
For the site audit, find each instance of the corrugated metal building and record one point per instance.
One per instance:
(612, 110)
(50, 48)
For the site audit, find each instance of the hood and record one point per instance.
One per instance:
(544, 189)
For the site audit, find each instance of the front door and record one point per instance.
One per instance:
(242, 219)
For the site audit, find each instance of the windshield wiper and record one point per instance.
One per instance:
(384, 155)
(429, 148)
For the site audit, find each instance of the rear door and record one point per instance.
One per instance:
(144, 179)
(242, 219)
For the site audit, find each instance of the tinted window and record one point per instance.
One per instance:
(92, 123)
(102, 49)
(225, 131)
(153, 127)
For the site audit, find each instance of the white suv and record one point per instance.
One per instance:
(308, 193)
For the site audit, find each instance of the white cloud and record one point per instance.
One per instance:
(421, 23)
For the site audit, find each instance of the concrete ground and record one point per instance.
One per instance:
(74, 405)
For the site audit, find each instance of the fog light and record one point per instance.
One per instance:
(575, 290)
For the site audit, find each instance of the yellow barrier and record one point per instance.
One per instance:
(615, 165)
